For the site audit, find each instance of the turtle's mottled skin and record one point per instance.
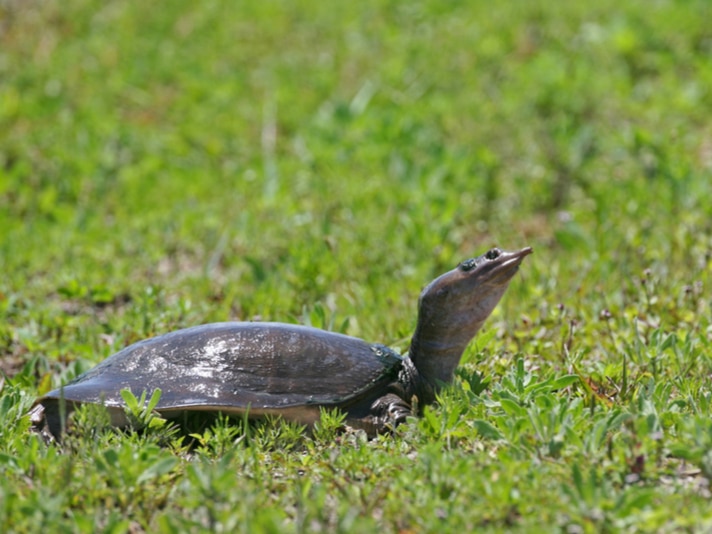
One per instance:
(293, 371)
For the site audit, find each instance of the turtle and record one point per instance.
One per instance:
(257, 369)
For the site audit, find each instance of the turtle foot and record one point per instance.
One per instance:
(390, 411)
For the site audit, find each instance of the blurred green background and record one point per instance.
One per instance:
(268, 157)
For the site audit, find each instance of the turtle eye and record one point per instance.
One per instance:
(468, 265)
(492, 254)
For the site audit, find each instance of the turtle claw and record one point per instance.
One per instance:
(397, 414)
(389, 411)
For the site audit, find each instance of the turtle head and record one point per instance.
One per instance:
(453, 307)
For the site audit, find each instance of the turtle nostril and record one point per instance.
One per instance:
(493, 254)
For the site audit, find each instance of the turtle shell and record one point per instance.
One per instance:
(258, 368)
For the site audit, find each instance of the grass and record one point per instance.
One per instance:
(292, 161)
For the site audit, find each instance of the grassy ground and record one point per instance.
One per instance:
(162, 167)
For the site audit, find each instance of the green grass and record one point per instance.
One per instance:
(167, 166)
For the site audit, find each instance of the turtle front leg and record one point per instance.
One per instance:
(384, 414)
(389, 411)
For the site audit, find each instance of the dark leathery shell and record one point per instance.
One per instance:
(265, 367)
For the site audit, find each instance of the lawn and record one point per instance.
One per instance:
(168, 165)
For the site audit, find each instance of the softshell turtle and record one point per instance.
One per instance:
(293, 371)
